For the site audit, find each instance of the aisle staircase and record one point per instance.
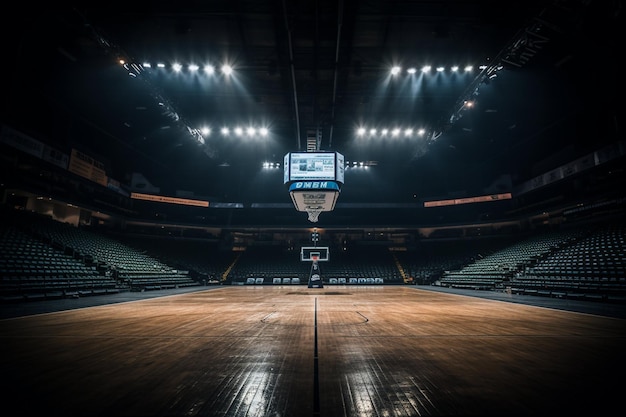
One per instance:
(230, 268)
(405, 277)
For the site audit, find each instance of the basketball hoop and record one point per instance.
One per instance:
(315, 258)
(314, 213)
(314, 197)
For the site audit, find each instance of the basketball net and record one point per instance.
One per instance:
(313, 214)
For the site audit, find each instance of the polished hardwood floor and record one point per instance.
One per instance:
(294, 351)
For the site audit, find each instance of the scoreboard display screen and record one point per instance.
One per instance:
(313, 166)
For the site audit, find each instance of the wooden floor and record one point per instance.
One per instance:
(294, 351)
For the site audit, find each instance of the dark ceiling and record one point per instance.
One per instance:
(319, 69)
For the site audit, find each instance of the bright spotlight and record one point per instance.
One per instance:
(227, 69)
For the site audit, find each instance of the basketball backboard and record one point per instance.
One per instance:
(310, 253)
(314, 197)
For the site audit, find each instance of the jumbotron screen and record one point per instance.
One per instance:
(313, 166)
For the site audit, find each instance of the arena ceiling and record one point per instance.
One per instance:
(316, 72)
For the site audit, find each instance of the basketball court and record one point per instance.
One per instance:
(298, 351)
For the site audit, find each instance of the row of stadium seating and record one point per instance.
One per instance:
(42, 258)
(583, 263)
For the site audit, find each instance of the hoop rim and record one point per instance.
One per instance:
(313, 213)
